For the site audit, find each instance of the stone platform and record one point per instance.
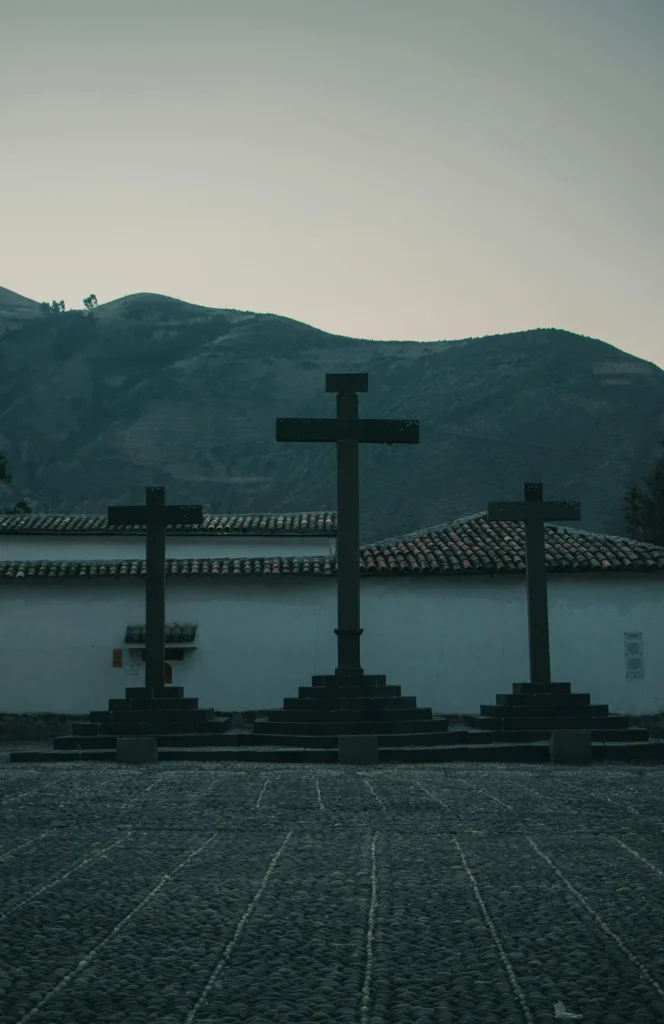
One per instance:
(308, 727)
(534, 710)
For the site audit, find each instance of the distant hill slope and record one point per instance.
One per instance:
(15, 309)
(158, 391)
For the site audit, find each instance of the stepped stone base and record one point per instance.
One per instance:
(336, 717)
(526, 753)
(536, 711)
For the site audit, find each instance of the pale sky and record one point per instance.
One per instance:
(388, 169)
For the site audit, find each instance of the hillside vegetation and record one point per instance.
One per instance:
(149, 390)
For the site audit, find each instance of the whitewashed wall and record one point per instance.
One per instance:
(452, 643)
(258, 641)
(458, 642)
(36, 547)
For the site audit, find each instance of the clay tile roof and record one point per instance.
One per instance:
(306, 565)
(465, 546)
(266, 524)
(473, 545)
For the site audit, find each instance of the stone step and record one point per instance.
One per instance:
(248, 739)
(525, 753)
(347, 703)
(634, 735)
(158, 704)
(350, 680)
(341, 716)
(147, 728)
(541, 687)
(538, 700)
(172, 715)
(335, 728)
(162, 691)
(84, 729)
(541, 722)
(546, 711)
(338, 692)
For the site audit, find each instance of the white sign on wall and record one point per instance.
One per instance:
(634, 668)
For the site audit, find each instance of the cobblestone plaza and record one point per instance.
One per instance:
(228, 893)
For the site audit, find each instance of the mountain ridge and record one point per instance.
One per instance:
(154, 390)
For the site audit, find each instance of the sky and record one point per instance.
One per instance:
(420, 170)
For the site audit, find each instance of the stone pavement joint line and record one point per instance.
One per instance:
(602, 924)
(92, 955)
(225, 956)
(365, 1009)
(65, 874)
(365, 777)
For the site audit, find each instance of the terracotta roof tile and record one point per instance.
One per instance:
(463, 547)
(307, 565)
(258, 524)
(473, 545)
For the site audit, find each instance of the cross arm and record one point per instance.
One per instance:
(522, 511)
(367, 431)
(164, 515)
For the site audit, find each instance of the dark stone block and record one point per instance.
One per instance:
(156, 715)
(507, 711)
(358, 749)
(570, 747)
(542, 687)
(348, 679)
(542, 699)
(136, 750)
(643, 752)
(132, 692)
(337, 728)
(339, 717)
(347, 703)
(541, 722)
(349, 691)
(158, 704)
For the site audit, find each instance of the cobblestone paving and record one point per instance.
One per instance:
(434, 894)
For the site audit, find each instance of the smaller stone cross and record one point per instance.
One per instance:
(155, 515)
(534, 512)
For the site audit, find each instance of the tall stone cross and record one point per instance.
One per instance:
(155, 515)
(347, 431)
(534, 512)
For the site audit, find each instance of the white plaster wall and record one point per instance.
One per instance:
(590, 618)
(257, 641)
(17, 548)
(456, 642)
(452, 643)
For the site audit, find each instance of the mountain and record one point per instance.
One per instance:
(154, 391)
(15, 309)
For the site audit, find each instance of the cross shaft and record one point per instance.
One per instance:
(533, 512)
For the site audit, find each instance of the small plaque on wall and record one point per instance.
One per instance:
(634, 667)
(117, 657)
